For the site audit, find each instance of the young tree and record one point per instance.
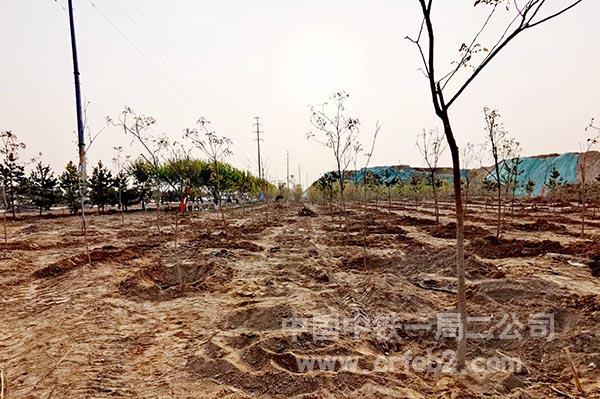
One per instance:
(468, 156)
(216, 148)
(529, 188)
(139, 127)
(12, 171)
(69, 184)
(583, 186)
(100, 186)
(511, 170)
(416, 186)
(554, 182)
(390, 180)
(327, 186)
(42, 187)
(338, 132)
(121, 181)
(501, 147)
(431, 145)
(526, 17)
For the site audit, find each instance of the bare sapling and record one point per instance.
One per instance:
(473, 59)
(139, 127)
(431, 145)
(120, 161)
(468, 156)
(583, 168)
(177, 172)
(338, 132)
(216, 149)
(365, 195)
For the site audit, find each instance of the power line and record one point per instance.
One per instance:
(181, 73)
(193, 72)
(138, 53)
(133, 69)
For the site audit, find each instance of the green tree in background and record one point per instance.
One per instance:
(12, 171)
(42, 188)
(100, 185)
(69, 184)
(141, 171)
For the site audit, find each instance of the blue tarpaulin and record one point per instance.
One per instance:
(537, 169)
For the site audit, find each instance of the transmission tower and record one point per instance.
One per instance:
(257, 124)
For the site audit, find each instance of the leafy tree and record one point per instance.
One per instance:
(216, 148)
(327, 186)
(101, 183)
(42, 187)
(141, 171)
(416, 186)
(123, 194)
(554, 182)
(390, 180)
(69, 184)
(12, 171)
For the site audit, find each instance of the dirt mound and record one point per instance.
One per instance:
(415, 221)
(97, 255)
(492, 247)
(307, 212)
(587, 248)
(278, 384)
(370, 261)
(449, 231)
(161, 282)
(419, 259)
(18, 246)
(245, 245)
(259, 318)
(587, 304)
(512, 291)
(219, 241)
(540, 225)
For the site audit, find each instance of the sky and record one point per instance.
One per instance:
(232, 60)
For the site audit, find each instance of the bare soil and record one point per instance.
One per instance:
(204, 318)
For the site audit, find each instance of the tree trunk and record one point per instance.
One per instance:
(4, 216)
(390, 200)
(460, 233)
(216, 166)
(583, 204)
(499, 221)
(176, 225)
(121, 206)
(435, 199)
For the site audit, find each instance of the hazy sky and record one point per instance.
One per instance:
(231, 60)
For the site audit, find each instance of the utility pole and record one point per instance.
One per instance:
(258, 139)
(80, 132)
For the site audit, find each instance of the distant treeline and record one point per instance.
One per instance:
(134, 184)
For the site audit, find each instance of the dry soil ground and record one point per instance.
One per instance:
(204, 320)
